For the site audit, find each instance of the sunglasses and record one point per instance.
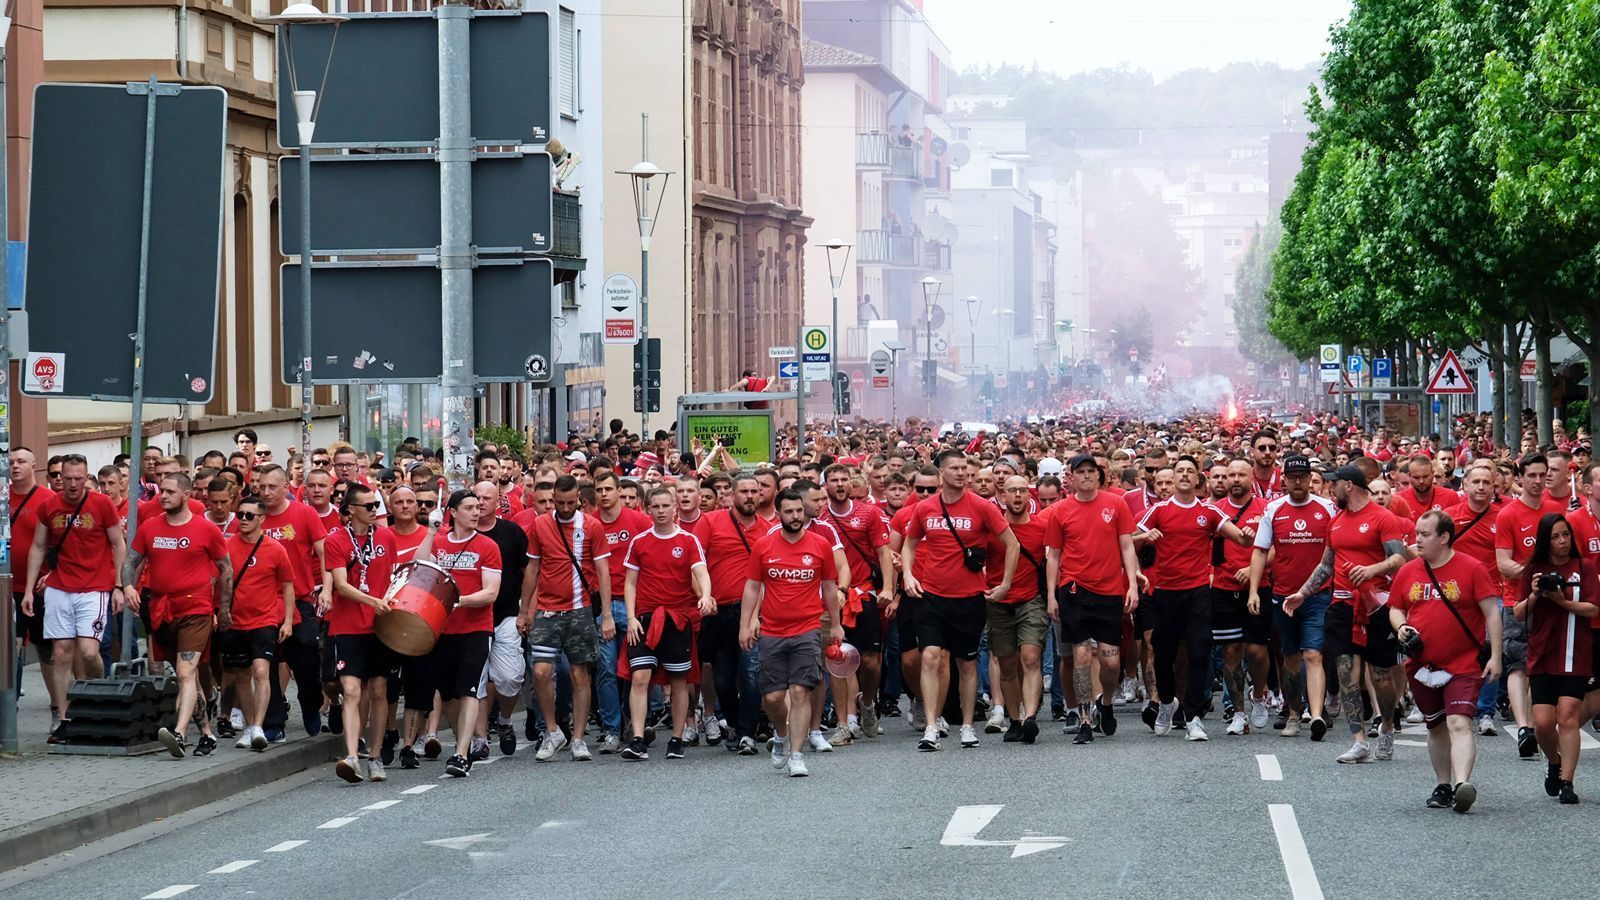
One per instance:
(926, 490)
(249, 516)
(369, 507)
(427, 504)
(319, 462)
(1151, 471)
(1267, 448)
(263, 454)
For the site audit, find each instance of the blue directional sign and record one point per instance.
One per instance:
(788, 370)
(1382, 367)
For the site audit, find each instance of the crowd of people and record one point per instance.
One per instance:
(1198, 575)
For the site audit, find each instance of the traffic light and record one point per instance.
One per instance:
(930, 378)
(655, 376)
(841, 393)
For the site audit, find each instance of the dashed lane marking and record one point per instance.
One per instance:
(340, 822)
(233, 867)
(285, 847)
(419, 789)
(170, 891)
(1303, 884)
(1268, 764)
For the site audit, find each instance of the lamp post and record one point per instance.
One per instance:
(1006, 316)
(641, 174)
(8, 684)
(930, 296)
(973, 303)
(835, 278)
(306, 104)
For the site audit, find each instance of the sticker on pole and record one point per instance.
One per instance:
(537, 367)
(44, 373)
(1450, 377)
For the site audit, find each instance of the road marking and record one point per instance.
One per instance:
(419, 789)
(340, 822)
(284, 847)
(1303, 882)
(384, 804)
(1268, 764)
(486, 760)
(460, 843)
(969, 821)
(1401, 742)
(170, 891)
(233, 867)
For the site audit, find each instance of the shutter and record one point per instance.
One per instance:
(567, 65)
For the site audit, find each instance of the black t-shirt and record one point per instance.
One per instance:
(513, 544)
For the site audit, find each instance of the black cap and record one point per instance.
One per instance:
(1079, 460)
(1351, 474)
(1297, 465)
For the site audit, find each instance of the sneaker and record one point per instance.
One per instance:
(816, 742)
(1372, 727)
(205, 745)
(841, 737)
(1319, 728)
(1197, 731)
(458, 766)
(431, 748)
(236, 719)
(1415, 718)
(1291, 728)
(58, 731)
(998, 722)
(609, 744)
(375, 771)
(1486, 726)
(869, 720)
(1013, 732)
(225, 729)
(1069, 724)
(1330, 707)
(1238, 725)
(1030, 730)
(780, 751)
(580, 750)
(335, 719)
(1163, 723)
(1108, 719)
(1359, 752)
(943, 726)
(1130, 690)
(1282, 721)
(1385, 750)
(479, 749)
(637, 749)
(1465, 795)
(930, 740)
(55, 719)
(1552, 779)
(889, 708)
(508, 741)
(1094, 714)
(1527, 744)
(713, 730)
(1085, 734)
(553, 743)
(969, 737)
(245, 736)
(361, 748)
(1260, 714)
(1057, 712)
(408, 758)
(854, 724)
(349, 770)
(391, 740)
(276, 736)
(797, 767)
(1442, 797)
(1149, 715)
(1568, 795)
(747, 746)
(675, 748)
(691, 737)
(174, 743)
(916, 720)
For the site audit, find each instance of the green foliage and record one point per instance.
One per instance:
(1250, 283)
(503, 436)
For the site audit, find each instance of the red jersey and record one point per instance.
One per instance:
(24, 522)
(1357, 539)
(1475, 537)
(1137, 501)
(1268, 489)
(180, 566)
(620, 532)
(1089, 535)
(977, 522)
(1559, 641)
(862, 529)
(405, 545)
(1517, 527)
(693, 525)
(1445, 644)
(467, 561)
(298, 529)
(554, 543)
(1235, 556)
(665, 563)
(83, 562)
(728, 546)
(258, 592)
(1586, 540)
(1440, 497)
(368, 562)
(1030, 571)
(149, 509)
(1300, 536)
(791, 575)
(330, 519)
(1183, 554)
(228, 528)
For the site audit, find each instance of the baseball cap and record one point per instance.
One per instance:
(1082, 459)
(1297, 465)
(1351, 474)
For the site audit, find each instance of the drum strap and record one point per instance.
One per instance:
(239, 575)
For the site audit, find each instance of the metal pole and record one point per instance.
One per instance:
(455, 244)
(833, 358)
(645, 233)
(8, 638)
(894, 388)
(307, 397)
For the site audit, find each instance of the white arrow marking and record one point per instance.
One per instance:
(460, 843)
(968, 821)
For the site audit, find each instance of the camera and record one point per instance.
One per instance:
(1410, 642)
(1548, 582)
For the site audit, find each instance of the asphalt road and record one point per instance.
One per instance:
(1129, 816)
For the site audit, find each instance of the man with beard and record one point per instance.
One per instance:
(1236, 623)
(864, 532)
(730, 536)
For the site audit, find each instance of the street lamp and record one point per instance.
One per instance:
(838, 260)
(973, 303)
(1006, 316)
(930, 296)
(641, 174)
(306, 104)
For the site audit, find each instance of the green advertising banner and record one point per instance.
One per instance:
(747, 435)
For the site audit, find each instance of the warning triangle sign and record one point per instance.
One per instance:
(1450, 377)
(1342, 386)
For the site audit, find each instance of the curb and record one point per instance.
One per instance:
(56, 834)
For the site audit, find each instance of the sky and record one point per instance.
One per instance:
(1159, 36)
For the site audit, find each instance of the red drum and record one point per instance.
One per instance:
(420, 597)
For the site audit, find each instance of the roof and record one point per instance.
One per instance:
(816, 54)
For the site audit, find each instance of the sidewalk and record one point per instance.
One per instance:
(54, 803)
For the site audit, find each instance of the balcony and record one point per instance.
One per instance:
(936, 256)
(567, 219)
(905, 163)
(872, 150)
(880, 248)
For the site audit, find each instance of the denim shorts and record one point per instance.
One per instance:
(1303, 630)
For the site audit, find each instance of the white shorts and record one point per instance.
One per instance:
(70, 615)
(505, 666)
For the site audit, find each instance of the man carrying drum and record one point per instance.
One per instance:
(360, 558)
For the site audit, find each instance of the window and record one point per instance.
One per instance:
(1000, 177)
(963, 133)
(567, 64)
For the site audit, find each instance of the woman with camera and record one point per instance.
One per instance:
(1557, 588)
(1441, 605)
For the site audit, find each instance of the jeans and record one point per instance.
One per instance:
(734, 670)
(612, 694)
(1303, 630)
(1055, 668)
(983, 664)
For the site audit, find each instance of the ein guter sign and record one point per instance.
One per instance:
(748, 435)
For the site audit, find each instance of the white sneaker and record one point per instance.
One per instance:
(797, 767)
(610, 744)
(1260, 713)
(780, 751)
(915, 720)
(841, 737)
(553, 743)
(856, 730)
(375, 770)
(1415, 718)
(1197, 732)
(1359, 752)
(815, 741)
(691, 737)
(236, 719)
(944, 727)
(998, 722)
(1291, 728)
(969, 737)
(1164, 716)
(930, 739)
(243, 743)
(713, 730)
(580, 751)
(1237, 726)
(1486, 726)
(1130, 690)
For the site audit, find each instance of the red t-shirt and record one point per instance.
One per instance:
(1300, 535)
(84, 561)
(1234, 556)
(1025, 581)
(1089, 535)
(1183, 554)
(559, 586)
(1586, 540)
(467, 561)
(330, 519)
(298, 529)
(25, 510)
(862, 529)
(149, 509)
(977, 522)
(258, 597)
(1357, 540)
(1517, 527)
(369, 564)
(694, 525)
(665, 563)
(405, 545)
(1271, 488)
(1445, 644)
(1559, 641)
(1478, 540)
(1137, 500)
(1441, 498)
(180, 566)
(620, 532)
(792, 576)
(728, 546)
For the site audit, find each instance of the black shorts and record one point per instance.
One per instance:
(1143, 621)
(1594, 680)
(716, 632)
(360, 656)
(1089, 617)
(953, 623)
(671, 652)
(905, 619)
(458, 661)
(31, 628)
(1231, 621)
(867, 634)
(239, 649)
(419, 680)
(1382, 649)
(1547, 689)
(327, 662)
